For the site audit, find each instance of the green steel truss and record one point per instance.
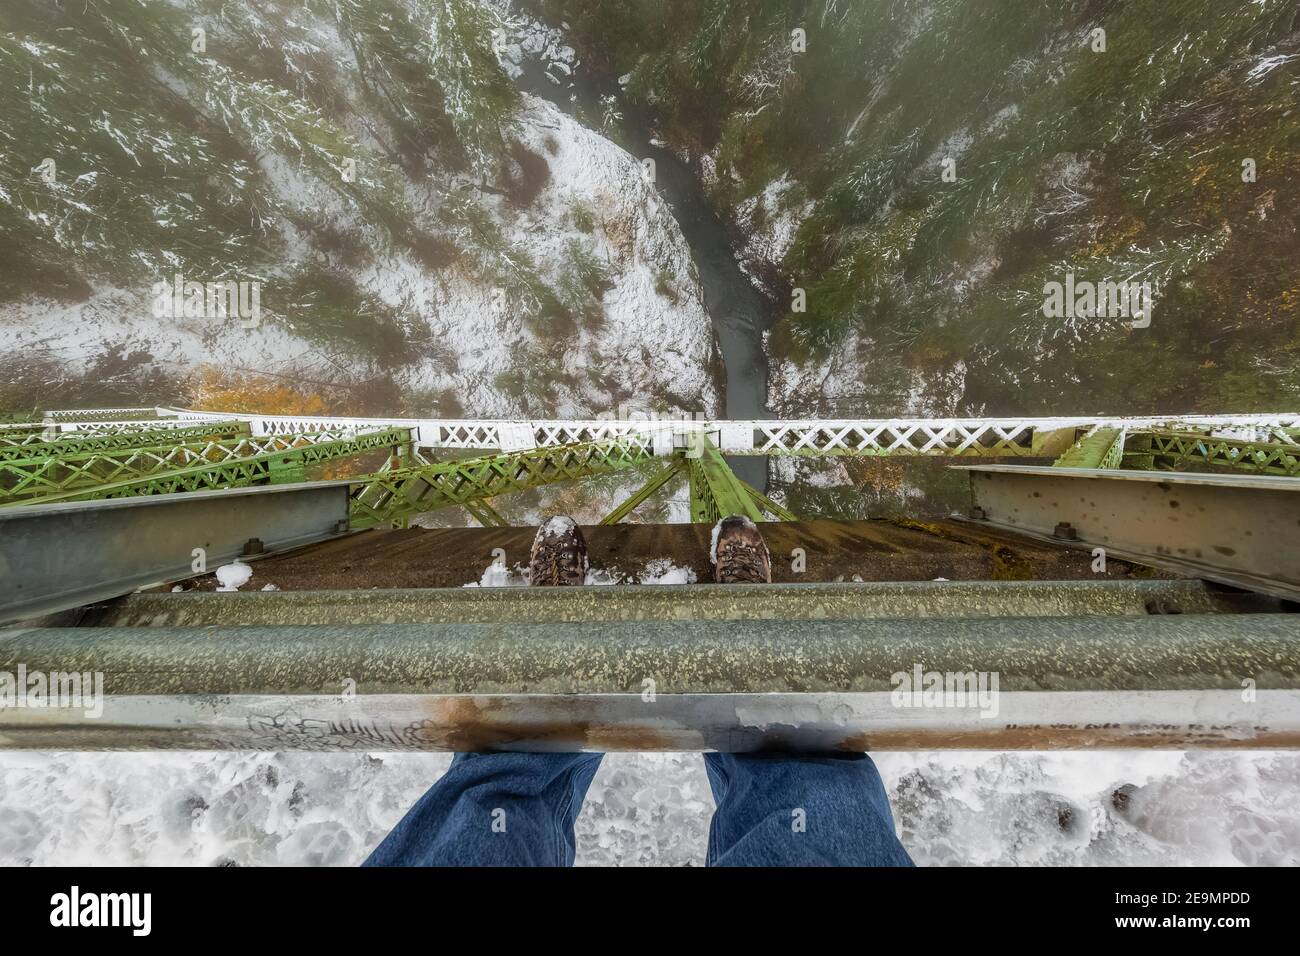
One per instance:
(28, 445)
(271, 466)
(661, 478)
(102, 414)
(397, 494)
(41, 477)
(1174, 450)
(716, 492)
(139, 458)
(1099, 448)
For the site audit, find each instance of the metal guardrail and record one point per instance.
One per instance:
(785, 602)
(1060, 682)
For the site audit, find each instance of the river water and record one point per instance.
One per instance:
(739, 312)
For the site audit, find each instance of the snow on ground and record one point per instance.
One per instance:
(593, 201)
(769, 221)
(1215, 808)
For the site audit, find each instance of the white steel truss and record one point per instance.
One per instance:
(982, 437)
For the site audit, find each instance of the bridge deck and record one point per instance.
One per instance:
(835, 550)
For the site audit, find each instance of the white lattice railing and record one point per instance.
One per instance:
(890, 436)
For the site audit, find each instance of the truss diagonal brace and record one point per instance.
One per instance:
(392, 495)
(1174, 449)
(661, 478)
(270, 467)
(767, 504)
(34, 445)
(716, 492)
(485, 514)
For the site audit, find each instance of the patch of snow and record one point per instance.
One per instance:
(950, 808)
(602, 577)
(769, 221)
(663, 571)
(1267, 64)
(497, 575)
(233, 576)
(558, 526)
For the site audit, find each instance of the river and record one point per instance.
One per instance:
(739, 312)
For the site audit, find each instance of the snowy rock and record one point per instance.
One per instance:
(768, 222)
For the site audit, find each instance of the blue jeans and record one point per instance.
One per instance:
(518, 809)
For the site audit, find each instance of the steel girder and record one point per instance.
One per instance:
(725, 682)
(58, 558)
(1232, 528)
(36, 445)
(277, 466)
(397, 494)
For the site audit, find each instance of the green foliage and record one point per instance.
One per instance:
(1108, 164)
(583, 218)
(583, 281)
(165, 155)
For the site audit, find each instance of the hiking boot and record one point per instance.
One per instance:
(559, 555)
(738, 553)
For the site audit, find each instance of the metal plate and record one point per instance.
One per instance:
(59, 556)
(1242, 530)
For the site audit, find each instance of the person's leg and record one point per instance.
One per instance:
(789, 809)
(494, 809)
(800, 810)
(504, 809)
